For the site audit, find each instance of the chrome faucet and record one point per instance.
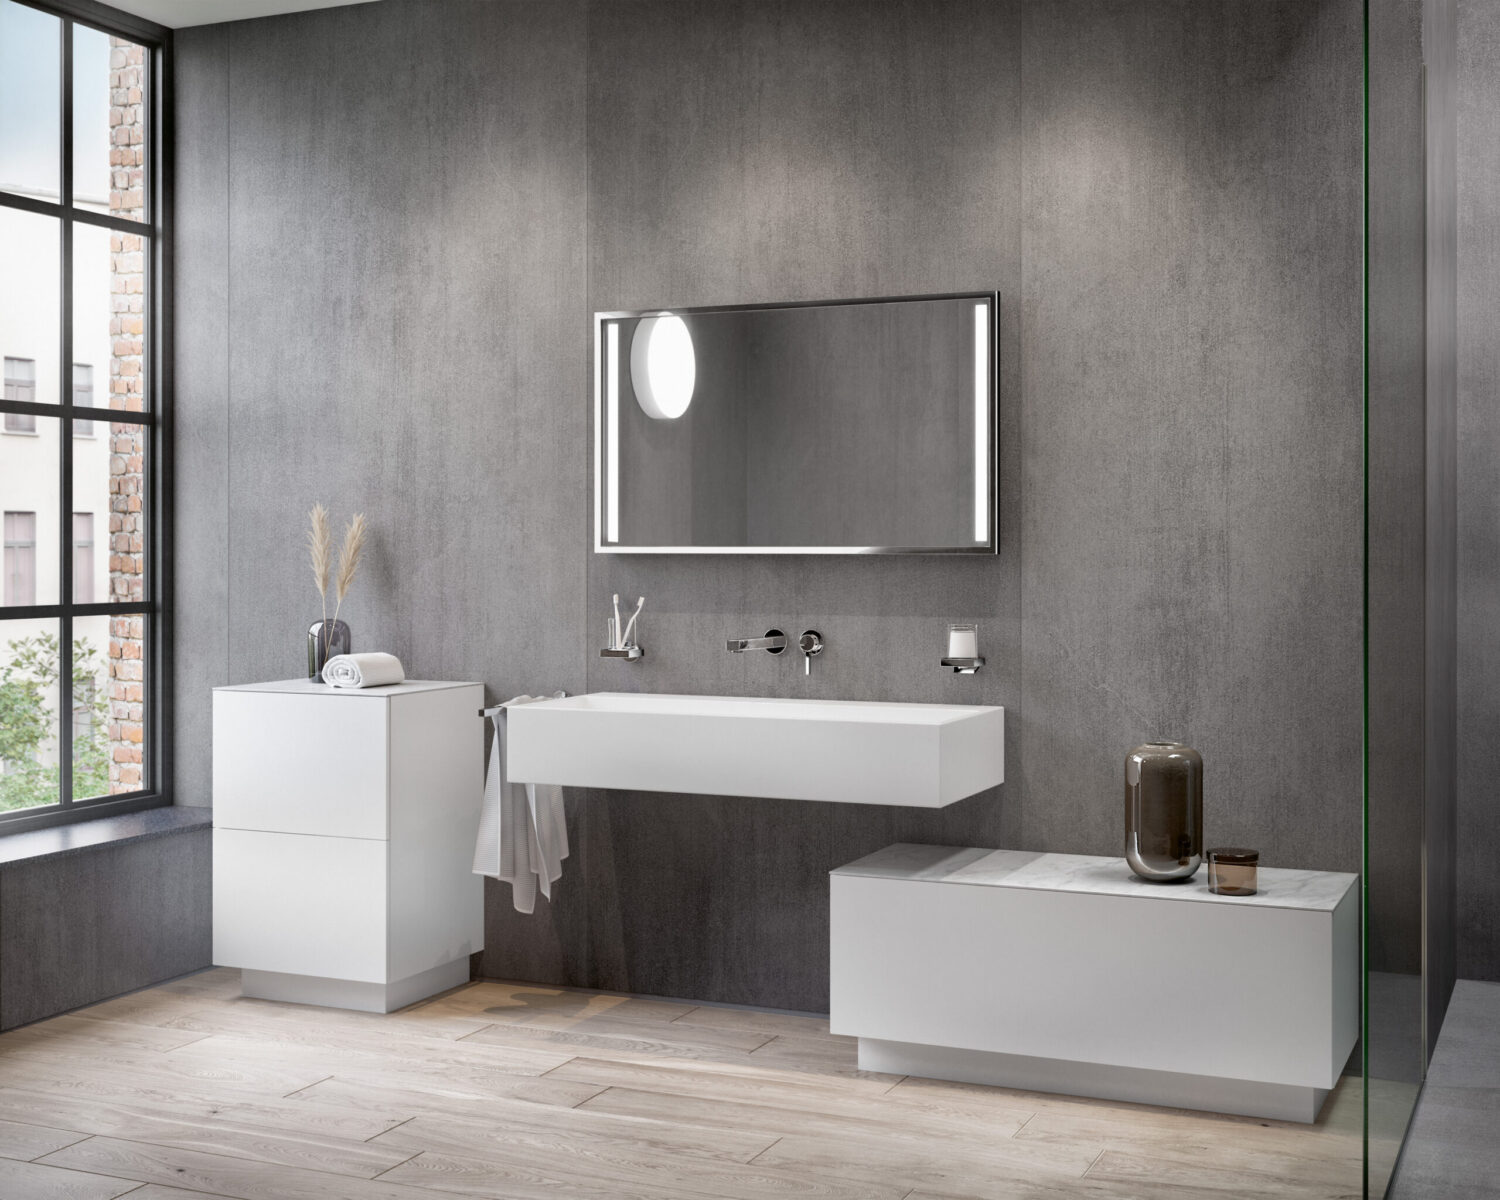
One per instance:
(773, 643)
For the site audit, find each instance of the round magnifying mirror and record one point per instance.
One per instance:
(663, 367)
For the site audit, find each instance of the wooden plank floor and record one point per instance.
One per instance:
(499, 1090)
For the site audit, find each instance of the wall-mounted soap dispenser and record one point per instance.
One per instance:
(963, 649)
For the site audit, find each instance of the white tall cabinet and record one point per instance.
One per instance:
(344, 826)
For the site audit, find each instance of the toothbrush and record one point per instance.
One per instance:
(629, 629)
(620, 643)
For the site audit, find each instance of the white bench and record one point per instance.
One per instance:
(1065, 973)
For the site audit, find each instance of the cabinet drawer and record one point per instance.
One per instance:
(300, 905)
(301, 764)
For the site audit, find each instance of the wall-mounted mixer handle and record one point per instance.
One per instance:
(811, 642)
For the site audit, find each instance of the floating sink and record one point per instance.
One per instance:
(851, 752)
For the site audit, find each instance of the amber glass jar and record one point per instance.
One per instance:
(1164, 811)
(1233, 871)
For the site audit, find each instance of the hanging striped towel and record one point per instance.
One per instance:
(523, 830)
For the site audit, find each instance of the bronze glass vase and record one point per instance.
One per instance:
(1164, 811)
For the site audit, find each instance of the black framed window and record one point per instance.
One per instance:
(82, 331)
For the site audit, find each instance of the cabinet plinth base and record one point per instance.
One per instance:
(353, 993)
(1171, 1089)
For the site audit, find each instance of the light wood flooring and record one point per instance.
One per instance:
(502, 1090)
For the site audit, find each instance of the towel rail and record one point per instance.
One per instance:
(494, 708)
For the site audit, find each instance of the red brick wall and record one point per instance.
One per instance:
(127, 494)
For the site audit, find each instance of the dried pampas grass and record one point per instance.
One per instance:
(349, 556)
(320, 552)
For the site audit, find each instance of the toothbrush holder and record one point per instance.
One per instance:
(614, 648)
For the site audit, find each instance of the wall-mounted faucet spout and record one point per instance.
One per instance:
(773, 643)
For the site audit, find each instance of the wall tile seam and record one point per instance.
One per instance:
(228, 49)
(587, 541)
(1018, 518)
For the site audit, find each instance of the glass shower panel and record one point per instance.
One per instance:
(1410, 561)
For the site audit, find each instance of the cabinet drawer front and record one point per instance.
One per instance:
(300, 905)
(301, 764)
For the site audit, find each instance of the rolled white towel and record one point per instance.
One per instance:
(363, 670)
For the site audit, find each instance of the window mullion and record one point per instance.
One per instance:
(43, 208)
(109, 221)
(99, 413)
(65, 401)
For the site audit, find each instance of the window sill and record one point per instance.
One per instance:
(21, 433)
(58, 841)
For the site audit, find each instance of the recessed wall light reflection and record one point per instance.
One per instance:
(612, 426)
(981, 422)
(663, 367)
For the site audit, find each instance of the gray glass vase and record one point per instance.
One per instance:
(1164, 811)
(325, 640)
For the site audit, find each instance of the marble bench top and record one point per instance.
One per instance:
(1312, 891)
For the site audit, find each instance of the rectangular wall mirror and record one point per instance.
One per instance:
(845, 427)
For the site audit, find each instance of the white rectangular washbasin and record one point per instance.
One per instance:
(847, 751)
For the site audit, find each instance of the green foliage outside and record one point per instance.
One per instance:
(26, 722)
